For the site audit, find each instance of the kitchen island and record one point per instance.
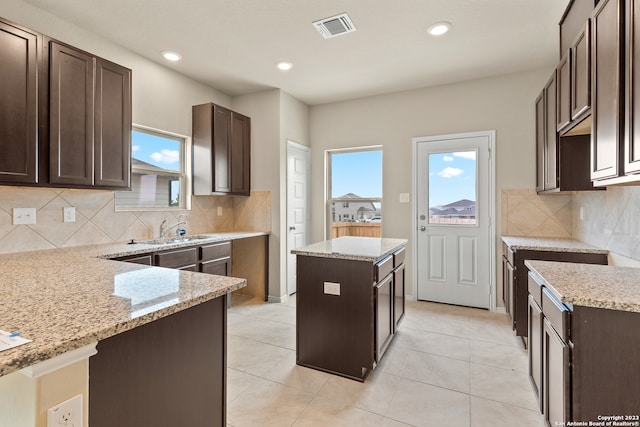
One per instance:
(349, 303)
(152, 339)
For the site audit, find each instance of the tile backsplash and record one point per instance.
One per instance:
(610, 219)
(525, 213)
(98, 222)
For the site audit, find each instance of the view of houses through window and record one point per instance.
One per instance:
(355, 192)
(452, 188)
(158, 171)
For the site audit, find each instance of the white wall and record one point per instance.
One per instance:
(275, 117)
(504, 103)
(162, 98)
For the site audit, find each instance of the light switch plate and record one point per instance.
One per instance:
(24, 216)
(219, 210)
(69, 214)
(331, 288)
(404, 198)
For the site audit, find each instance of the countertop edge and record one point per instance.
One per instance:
(542, 244)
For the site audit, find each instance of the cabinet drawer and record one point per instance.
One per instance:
(398, 257)
(535, 290)
(215, 251)
(508, 253)
(220, 267)
(556, 313)
(383, 268)
(177, 258)
(144, 259)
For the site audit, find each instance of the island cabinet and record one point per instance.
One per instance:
(348, 308)
(582, 359)
(169, 372)
(221, 151)
(515, 284)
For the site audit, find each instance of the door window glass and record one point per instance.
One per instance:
(453, 188)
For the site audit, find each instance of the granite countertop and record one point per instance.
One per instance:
(353, 248)
(550, 244)
(64, 299)
(590, 285)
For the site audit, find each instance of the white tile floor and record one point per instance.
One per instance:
(447, 366)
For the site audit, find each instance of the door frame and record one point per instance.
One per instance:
(491, 135)
(292, 144)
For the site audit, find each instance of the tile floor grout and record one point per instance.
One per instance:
(296, 399)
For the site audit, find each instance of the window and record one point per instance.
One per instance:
(354, 192)
(159, 172)
(452, 188)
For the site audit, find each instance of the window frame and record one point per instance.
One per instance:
(328, 190)
(184, 175)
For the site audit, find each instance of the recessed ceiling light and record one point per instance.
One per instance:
(285, 66)
(171, 56)
(439, 28)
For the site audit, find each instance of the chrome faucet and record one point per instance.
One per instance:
(164, 229)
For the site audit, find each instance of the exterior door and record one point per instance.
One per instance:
(454, 198)
(298, 167)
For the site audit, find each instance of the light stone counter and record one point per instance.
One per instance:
(64, 299)
(589, 285)
(551, 245)
(353, 248)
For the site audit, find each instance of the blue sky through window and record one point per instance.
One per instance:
(358, 172)
(452, 177)
(156, 150)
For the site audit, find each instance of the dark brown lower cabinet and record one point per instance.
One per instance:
(169, 372)
(535, 349)
(583, 361)
(384, 315)
(556, 370)
(347, 312)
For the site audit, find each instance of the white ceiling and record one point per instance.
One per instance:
(234, 45)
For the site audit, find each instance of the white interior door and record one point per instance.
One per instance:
(298, 167)
(454, 205)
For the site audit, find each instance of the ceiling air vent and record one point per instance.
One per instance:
(335, 26)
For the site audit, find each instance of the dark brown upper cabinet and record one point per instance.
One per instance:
(606, 90)
(574, 87)
(632, 80)
(89, 120)
(65, 114)
(19, 52)
(221, 151)
(547, 137)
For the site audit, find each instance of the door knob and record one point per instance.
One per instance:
(423, 228)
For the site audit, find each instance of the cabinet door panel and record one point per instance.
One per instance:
(551, 138)
(556, 377)
(540, 142)
(632, 130)
(112, 125)
(71, 116)
(564, 91)
(605, 92)
(18, 105)
(220, 267)
(581, 74)
(535, 349)
(398, 296)
(384, 316)
(240, 154)
(221, 149)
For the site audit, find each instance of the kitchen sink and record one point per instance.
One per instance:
(171, 240)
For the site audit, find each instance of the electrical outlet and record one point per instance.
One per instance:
(69, 214)
(66, 414)
(24, 216)
(331, 288)
(219, 210)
